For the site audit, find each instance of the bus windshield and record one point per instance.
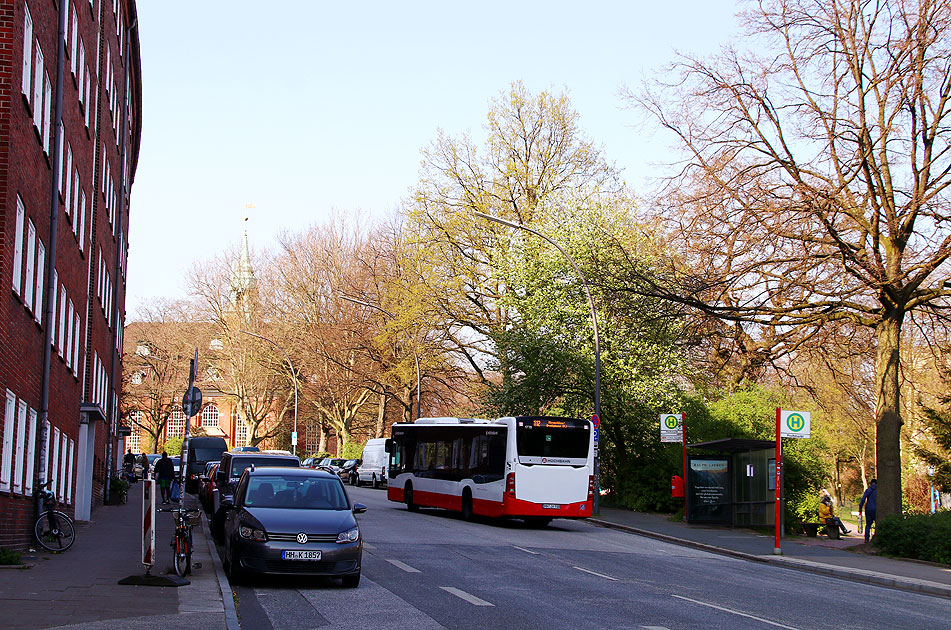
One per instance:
(552, 441)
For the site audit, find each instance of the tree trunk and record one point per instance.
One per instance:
(888, 414)
(322, 447)
(380, 416)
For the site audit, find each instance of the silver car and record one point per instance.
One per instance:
(292, 521)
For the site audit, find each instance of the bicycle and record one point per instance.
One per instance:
(54, 530)
(181, 542)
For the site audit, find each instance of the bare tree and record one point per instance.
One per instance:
(155, 369)
(815, 184)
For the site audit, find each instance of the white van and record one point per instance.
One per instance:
(375, 458)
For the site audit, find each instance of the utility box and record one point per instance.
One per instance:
(677, 487)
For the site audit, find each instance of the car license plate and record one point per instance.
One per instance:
(551, 506)
(289, 554)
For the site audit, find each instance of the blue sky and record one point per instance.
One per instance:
(306, 107)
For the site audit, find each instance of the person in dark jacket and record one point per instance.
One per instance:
(165, 472)
(868, 502)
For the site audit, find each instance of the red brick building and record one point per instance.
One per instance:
(70, 123)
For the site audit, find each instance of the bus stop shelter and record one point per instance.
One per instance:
(733, 485)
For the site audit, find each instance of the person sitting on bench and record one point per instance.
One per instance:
(827, 513)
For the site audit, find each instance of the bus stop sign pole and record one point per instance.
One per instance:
(777, 548)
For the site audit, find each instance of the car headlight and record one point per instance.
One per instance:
(250, 532)
(349, 536)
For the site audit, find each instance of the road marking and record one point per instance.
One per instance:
(472, 599)
(369, 546)
(400, 565)
(606, 577)
(655, 627)
(534, 553)
(736, 612)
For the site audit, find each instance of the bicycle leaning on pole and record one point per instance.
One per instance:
(54, 530)
(182, 538)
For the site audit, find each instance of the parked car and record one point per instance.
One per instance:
(332, 463)
(153, 457)
(375, 458)
(292, 521)
(348, 472)
(201, 450)
(245, 449)
(229, 471)
(310, 462)
(206, 491)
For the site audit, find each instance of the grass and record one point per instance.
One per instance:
(8, 556)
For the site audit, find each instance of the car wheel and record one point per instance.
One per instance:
(351, 581)
(408, 498)
(233, 567)
(376, 483)
(467, 505)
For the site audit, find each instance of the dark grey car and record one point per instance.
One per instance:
(292, 521)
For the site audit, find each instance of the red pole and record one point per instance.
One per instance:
(779, 466)
(683, 440)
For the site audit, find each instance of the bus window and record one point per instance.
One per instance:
(568, 440)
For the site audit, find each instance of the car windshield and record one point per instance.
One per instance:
(295, 493)
(207, 454)
(332, 462)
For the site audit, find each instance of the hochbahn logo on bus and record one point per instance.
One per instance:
(555, 460)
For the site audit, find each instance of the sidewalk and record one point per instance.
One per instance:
(848, 558)
(78, 589)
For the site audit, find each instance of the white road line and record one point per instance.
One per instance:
(534, 553)
(606, 577)
(736, 612)
(472, 599)
(400, 565)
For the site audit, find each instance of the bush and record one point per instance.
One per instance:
(352, 450)
(8, 556)
(173, 446)
(917, 536)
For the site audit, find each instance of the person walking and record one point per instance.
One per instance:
(165, 472)
(868, 502)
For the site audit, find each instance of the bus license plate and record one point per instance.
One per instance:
(289, 554)
(551, 506)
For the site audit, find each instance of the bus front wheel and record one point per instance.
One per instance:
(408, 497)
(467, 505)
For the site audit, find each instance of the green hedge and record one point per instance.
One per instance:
(918, 536)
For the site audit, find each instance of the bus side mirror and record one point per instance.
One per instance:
(388, 446)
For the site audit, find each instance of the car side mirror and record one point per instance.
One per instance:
(359, 508)
(227, 503)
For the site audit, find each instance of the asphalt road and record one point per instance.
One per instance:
(431, 570)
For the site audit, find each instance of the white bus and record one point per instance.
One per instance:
(531, 467)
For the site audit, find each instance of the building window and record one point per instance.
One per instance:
(176, 425)
(134, 440)
(209, 415)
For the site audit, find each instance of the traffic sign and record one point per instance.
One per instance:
(795, 424)
(671, 427)
(293, 438)
(191, 405)
(597, 429)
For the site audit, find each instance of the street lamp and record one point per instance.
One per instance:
(419, 392)
(596, 507)
(293, 373)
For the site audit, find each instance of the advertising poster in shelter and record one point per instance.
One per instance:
(709, 491)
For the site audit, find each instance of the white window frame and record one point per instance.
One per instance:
(25, 80)
(28, 285)
(47, 116)
(70, 460)
(69, 335)
(18, 247)
(20, 449)
(77, 322)
(73, 37)
(54, 301)
(30, 451)
(61, 490)
(62, 318)
(40, 274)
(38, 89)
(68, 176)
(6, 464)
(53, 469)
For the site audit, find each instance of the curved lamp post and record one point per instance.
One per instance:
(293, 373)
(596, 507)
(419, 392)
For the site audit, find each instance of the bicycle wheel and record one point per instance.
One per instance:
(54, 531)
(183, 555)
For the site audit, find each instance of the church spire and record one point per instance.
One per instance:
(242, 280)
